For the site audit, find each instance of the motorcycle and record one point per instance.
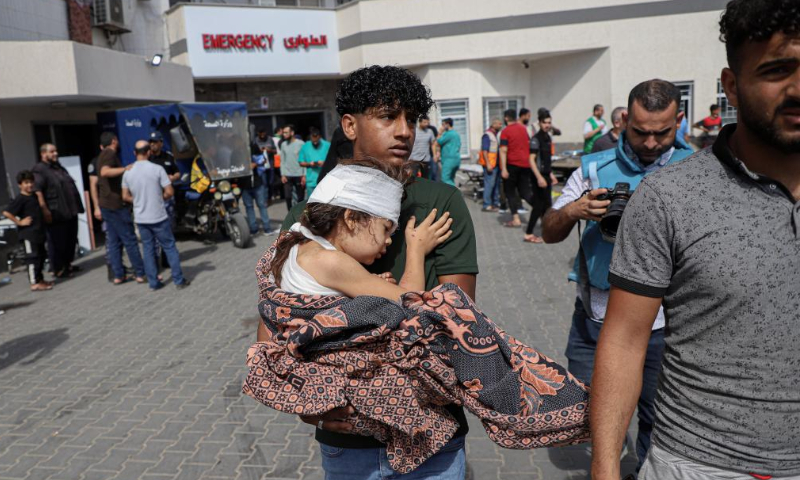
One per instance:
(216, 210)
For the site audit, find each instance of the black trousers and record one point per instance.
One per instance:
(518, 187)
(62, 238)
(35, 254)
(542, 200)
(294, 190)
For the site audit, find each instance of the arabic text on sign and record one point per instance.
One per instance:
(293, 43)
(225, 41)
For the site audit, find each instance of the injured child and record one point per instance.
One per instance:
(340, 336)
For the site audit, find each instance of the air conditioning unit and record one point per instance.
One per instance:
(110, 15)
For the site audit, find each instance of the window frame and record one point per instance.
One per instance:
(520, 99)
(465, 148)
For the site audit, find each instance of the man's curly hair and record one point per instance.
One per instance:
(383, 87)
(756, 21)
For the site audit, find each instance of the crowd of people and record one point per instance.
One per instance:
(686, 275)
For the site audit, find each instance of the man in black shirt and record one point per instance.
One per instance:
(162, 157)
(541, 147)
(61, 204)
(26, 213)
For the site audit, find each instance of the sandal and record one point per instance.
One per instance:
(120, 281)
(66, 273)
(532, 239)
(41, 287)
(489, 209)
(512, 225)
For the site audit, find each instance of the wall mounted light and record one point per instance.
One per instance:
(156, 60)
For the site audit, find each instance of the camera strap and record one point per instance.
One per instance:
(583, 276)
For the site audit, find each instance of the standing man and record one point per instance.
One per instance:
(255, 190)
(165, 160)
(449, 142)
(715, 239)
(293, 176)
(525, 120)
(117, 215)
(422, 152)
(312, 157)
(648, 144)
(61, 204)
(403, 98)
(610, 139)
(490, 146)
(265, 144)
(594, 128)
(711, 125)
(515, 166)
(147, 185)
(541, 147)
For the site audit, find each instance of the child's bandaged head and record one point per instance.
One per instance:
(360, 188)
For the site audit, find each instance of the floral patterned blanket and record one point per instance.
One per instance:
(398, 364)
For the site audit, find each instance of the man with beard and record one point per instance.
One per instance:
(380, 107)
(716, 238)
(61, 204)
(525, 120)
(648, 144)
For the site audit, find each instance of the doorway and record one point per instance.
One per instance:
(302, 122)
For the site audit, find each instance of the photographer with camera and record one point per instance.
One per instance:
(598, 193)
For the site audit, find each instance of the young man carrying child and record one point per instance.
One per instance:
(26, 213)
(380, 107)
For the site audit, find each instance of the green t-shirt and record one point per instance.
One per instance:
(451, 146)
(459, 255)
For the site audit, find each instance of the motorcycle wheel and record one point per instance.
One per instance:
(239, 230)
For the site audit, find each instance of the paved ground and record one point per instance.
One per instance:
(100, 381)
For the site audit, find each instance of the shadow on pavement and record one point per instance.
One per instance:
(192, 271)
(12, 306)
(196, 252)
(38, 345)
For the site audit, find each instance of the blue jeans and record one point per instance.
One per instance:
(581, 347)
(372, 464)
(259, 196)
(119, 233)
(162, 233)
(491, 188)
(433, 167)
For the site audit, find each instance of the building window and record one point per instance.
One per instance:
(495, 107)
(458, 110)
(687, 99)
(297, 3)
(727, 111)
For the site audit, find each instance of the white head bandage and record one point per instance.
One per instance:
(361, 188)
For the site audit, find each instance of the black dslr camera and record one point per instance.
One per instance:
(619, 197)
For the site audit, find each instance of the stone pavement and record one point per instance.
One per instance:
(117, 382)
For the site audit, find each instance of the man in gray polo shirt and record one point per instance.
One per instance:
(717, 239)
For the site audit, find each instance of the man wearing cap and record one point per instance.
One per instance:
(165, 160)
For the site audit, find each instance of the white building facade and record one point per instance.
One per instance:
(478, 60)
(284, 58)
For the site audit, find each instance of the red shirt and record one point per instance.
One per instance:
(515, 137)
(712, 124)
